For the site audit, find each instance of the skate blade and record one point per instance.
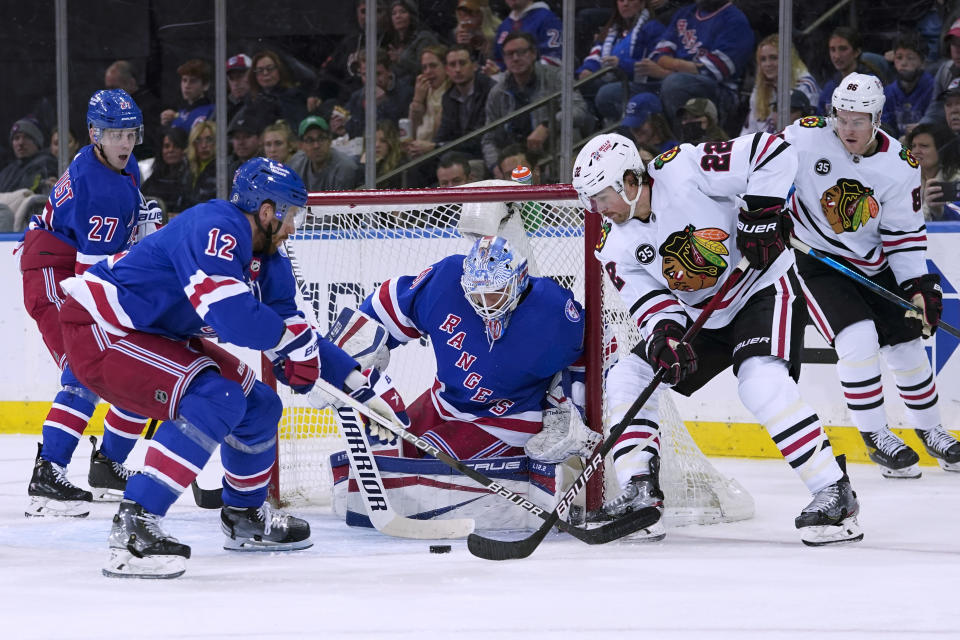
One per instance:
(818, 536)
(653, 533)
(123, 564)
(249, 544)
(42, 507)
(906, 473)
(106, 495)
(953, 467)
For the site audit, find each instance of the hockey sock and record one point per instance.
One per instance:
(628, 375)
(120, 432)
(211, 407)
(65, 423)
(250, 449)
(768, 391)
(915, 382)
(858, 367)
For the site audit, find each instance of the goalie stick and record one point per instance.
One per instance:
(491, 549)
(364, 465)
(803, 247)
(626, 525)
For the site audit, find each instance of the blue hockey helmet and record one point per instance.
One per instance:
(494, 277)
(259, 179)
(113, 109)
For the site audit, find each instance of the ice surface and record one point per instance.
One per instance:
(750, 579)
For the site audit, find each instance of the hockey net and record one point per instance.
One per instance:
(353, 241)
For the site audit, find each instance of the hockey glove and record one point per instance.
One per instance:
(563, 435)
(925, 293)
(665, 349)
(149, 219)
(763, 234)
(295, 359)
(377, 392)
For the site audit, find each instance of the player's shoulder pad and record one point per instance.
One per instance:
(667, 156)
(812, 122)
(546, 294)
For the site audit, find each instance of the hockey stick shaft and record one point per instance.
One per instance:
(803, 247)
(490, 549)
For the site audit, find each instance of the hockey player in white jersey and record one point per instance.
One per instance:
(857, 199)
(669, 242)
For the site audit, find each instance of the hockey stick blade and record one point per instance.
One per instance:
(207, 498)
(491, 549)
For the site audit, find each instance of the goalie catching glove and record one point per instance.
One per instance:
(296, 362)
(925, 293)
(563, 435)
(665, 348)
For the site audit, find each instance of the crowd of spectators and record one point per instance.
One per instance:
(659, 71)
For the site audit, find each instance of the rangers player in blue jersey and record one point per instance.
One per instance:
(94, 211)
(538, 20)
(499, 337)
(136, 328)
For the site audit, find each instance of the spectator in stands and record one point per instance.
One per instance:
(762, 116)
(524, 82)
(847, 57)
(27, 175)
(278, 142)
(195, 106)
(628, 36)
(515, 155)
(388, 152)
(244, 134)
(949, 70)
(272, 89)
(170, 167)
(200, 182)
(404, 40)
(698, 122)
(464, 103)
(322, 167)
(476, 29)
(393, 96)
(426, 108)
(647, 124)
(703, 54)
(120, 75)
(238, 83)
(72, 144)
(536, 19)
(951, 105)
(453, 169)
(912, 92)
(339, 74)
(936, 149)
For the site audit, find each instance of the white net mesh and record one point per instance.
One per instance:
(345, 252)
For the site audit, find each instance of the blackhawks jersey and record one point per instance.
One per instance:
(501, 387)
(670, 266)
(865, 209)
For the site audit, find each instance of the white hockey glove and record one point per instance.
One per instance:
(149, 220)
(377, 392)
(362, 338)
(563, 435)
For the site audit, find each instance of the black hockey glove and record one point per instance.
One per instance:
(665, 349)
(763, 234)
(924, 292)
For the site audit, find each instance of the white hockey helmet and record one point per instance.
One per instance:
(601, 164)
(861, 93)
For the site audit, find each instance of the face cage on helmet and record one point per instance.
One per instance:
(99, 133)
(292, 213)
(505, 302)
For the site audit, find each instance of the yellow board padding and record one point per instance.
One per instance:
(732, 439)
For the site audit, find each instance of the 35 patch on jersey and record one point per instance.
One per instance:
(813, 122)
(570, 310)
(909, 158)
(665, 157)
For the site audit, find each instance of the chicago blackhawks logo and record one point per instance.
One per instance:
(692, 258)
(665, 157)
(848, 205)
(813, 122)
(909, 158)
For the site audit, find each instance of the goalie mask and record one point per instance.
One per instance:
(859, 93)
(494, 279)
(601, 164)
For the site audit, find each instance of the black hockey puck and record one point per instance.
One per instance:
(440, 548)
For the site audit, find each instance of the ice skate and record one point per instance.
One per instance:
(263, 529)
(51, 494)
(895, 458)
(943, 446)
(831, 517)
(107, 479)
(139, 548)
(641, 492)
